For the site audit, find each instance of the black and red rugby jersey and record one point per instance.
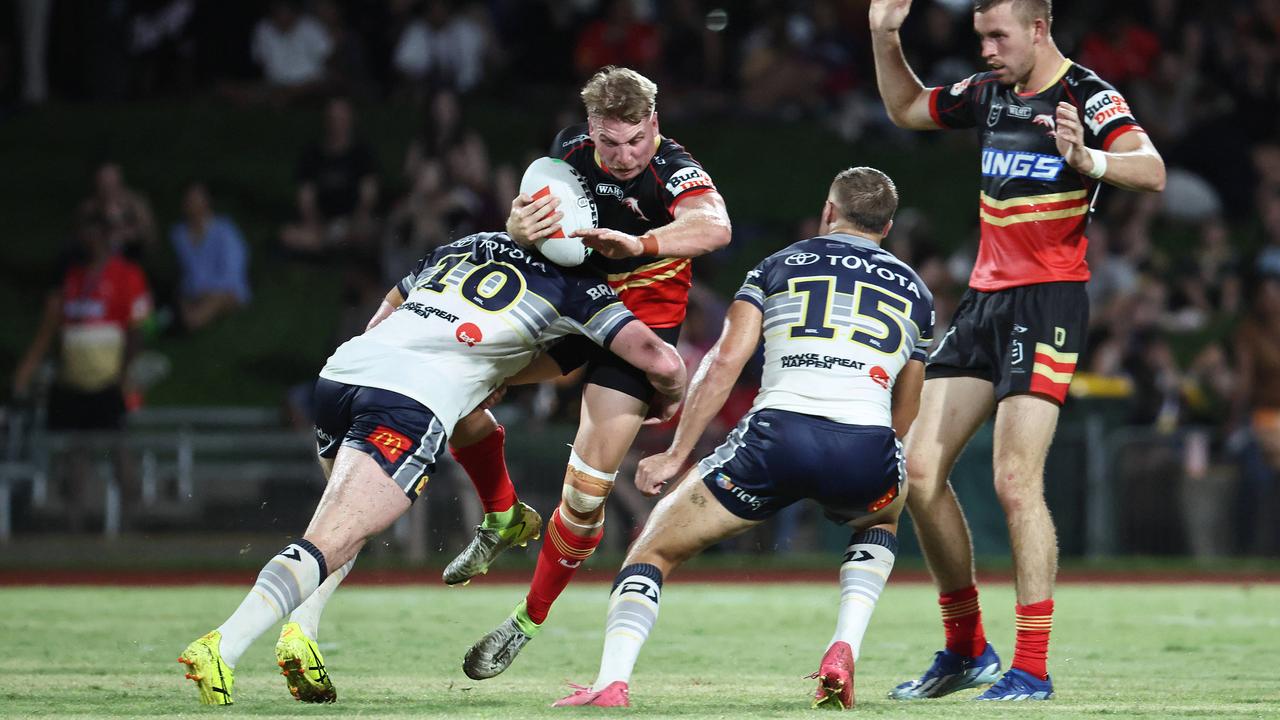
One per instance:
(1032, 206)
(656, 290)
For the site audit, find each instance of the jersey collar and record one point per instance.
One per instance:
(857, 240)
(1062, 70)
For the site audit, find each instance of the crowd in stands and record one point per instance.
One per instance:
(1185, 294)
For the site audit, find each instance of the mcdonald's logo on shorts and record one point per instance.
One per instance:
(391, 443)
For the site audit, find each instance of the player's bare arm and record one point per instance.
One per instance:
(708, 391)
(638, 345)
(701, 225)
(905, 98)
(388, 306)
(906, 397)
(1131, 162)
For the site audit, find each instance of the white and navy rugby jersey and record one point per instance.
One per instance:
(475, 312)
(842, 317)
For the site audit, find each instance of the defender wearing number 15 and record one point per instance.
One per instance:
(845, 327)
(1052, 132)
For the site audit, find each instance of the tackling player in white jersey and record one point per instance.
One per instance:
(466, 319)
(845, 327)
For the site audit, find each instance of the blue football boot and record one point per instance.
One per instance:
(951, 672)
(1019, 685)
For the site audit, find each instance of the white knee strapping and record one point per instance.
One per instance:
(581, 466)
(583, 504)
(580, 502)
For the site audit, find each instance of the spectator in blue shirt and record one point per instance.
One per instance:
(214, 261)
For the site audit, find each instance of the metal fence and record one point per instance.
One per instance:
(1113, 489)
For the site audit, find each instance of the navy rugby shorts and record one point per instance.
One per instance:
(399, 433)
(774, 458)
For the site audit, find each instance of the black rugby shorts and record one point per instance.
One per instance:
(1023, 340)
(603, 367)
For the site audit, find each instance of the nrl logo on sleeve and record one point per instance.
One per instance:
(1104, 107)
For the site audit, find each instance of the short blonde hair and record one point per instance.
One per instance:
(865, 197)
(618, 93)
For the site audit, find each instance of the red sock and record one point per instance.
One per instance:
(486, 465)
(962, 620)
(562, 552)
(1031, 648)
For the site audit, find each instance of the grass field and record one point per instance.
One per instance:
(718, 651)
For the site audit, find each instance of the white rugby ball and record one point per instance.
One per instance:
(557, 177)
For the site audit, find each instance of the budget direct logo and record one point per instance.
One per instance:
(1105, 107)
(1018, 164)
(687, 179)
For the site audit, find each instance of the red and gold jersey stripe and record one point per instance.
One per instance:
(664, 269)
(1032, 208)
(657, 292)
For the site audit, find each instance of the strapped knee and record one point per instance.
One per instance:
(585, 490)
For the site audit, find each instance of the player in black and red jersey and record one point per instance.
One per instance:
(657, 208)
(1051, 133)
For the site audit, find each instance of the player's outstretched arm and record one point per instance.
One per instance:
(905, 97)
(644, 350)
(906, 396)
(1132, 162)
(708, 390)
(388, 306)
(701, 225)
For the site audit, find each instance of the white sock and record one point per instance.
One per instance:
(284, 582)
(867, 564)
(633, 609)
(307, 615)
